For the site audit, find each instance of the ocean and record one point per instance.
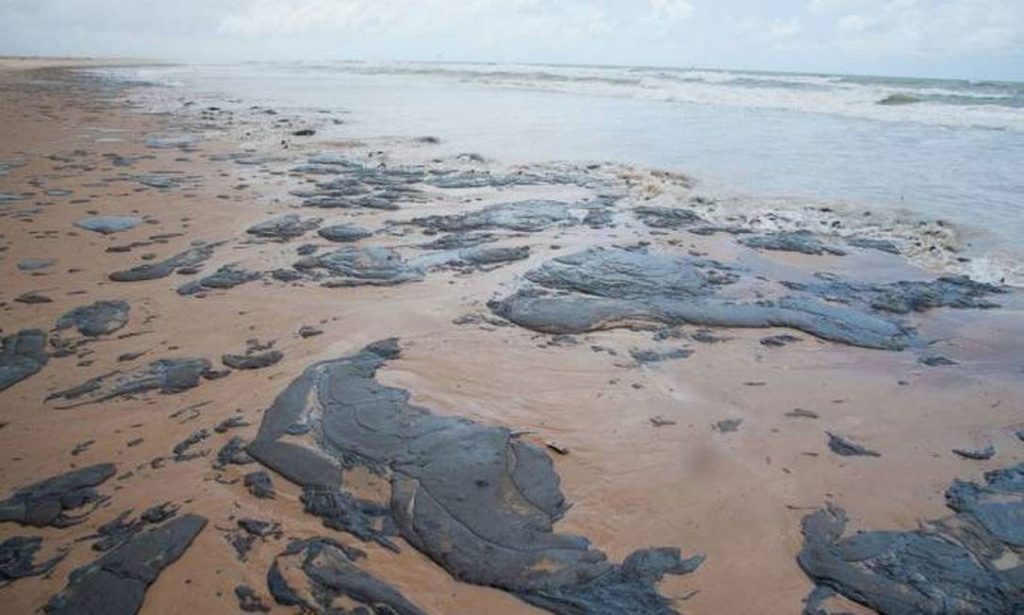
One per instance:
(919, 148)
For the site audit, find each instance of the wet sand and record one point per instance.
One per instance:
(647, 462)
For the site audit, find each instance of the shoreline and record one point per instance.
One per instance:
(940, 240)
(31, 63)
(737, 496)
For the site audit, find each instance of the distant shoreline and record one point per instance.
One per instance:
(20, 63)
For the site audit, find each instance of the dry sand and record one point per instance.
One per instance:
(737, 497)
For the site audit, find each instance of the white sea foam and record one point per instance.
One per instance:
(943, 103)
(935, 245)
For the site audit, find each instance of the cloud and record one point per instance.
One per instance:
(672, 9)
(831, 6)
(294, 17)
(363, 18)
(785, 28)
(926, 27)
(857, 23)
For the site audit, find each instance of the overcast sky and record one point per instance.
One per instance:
(980, 39)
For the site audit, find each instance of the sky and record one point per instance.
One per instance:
(974, 39)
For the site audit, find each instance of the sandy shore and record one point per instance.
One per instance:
(701, 451)
(12, 64)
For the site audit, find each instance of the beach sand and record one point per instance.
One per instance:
(647, 463)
